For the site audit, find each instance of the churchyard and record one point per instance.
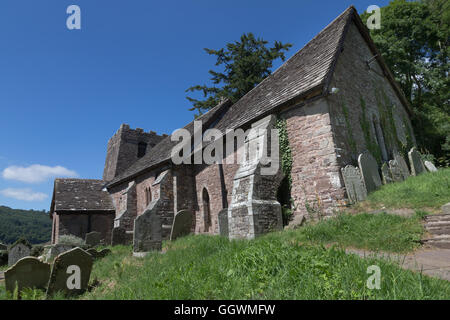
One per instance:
(405, 213)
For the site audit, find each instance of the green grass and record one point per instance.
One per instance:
(427, 190)
(205, 267)
(376, 232)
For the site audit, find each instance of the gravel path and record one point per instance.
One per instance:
(433, 262)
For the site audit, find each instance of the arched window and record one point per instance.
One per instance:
(148, 196)
(206, 210)
(142, 148)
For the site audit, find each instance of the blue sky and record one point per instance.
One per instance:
(63, 93)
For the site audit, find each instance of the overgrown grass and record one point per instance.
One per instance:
(427, 190)
(205, 267)
(377, 232)
(282, 265)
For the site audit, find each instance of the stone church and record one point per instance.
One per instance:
(337, 99)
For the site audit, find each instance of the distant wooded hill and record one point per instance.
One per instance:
(35, 226)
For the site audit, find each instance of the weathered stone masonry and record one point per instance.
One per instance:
(338, 99)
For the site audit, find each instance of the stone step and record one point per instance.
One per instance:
(437, 217)
(440, 224)
(438, 230)
(442, 244)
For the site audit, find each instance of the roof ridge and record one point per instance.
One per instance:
(284, 64)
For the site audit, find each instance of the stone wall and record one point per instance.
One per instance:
(78, 224)
(355, 80)
(316, 181)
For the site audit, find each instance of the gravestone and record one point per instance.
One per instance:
(28, 272)
(93, 238)
(399, 168)
(120, 236)
(368, 167)
(354, 184)
(98, 254)
(70, 272)
(223, 222)
(148, 230)
(430, 166)
(54, 250)
(3, 246)
(18, 251)
(182, 224)
(415, 161)
(386, 174)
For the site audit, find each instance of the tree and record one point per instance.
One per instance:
(414, 42)
(245, 64)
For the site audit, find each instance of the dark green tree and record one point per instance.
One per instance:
(244, 63)
(414, 41)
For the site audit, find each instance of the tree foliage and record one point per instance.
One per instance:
(34, 226)
(414, 41)
(244, 64)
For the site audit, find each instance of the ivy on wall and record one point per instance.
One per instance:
(350, 139)
(371, 144)
(284, 191)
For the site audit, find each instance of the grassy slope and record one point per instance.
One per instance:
(283, 265)
(430, 190)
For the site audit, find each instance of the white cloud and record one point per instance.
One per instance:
(23, 194)
(36, 173)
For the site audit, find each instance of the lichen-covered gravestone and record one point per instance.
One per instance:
(18, 251)
(430, 166)
(148, 231)
(28, 272)
(354, 184)
(70, 272)
(368, 167)
(182, 224)
(223, 222)
(415, 161)
(386, 174)
(93, 238)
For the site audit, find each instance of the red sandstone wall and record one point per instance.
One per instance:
(354, 80)
(315, 170)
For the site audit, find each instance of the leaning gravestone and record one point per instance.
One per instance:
(28, 272)
(147, 231)
(18, 251)
(399, 168)
(354, 184)
(369, 171)
(70, 272)
(430, 166)
(120, 236)
(93, 238)
(182, 224)
(54, 250)
(386, 174)
(223, 222)
(415, 161)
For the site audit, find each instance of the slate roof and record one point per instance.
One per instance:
(162, 151)
(306, 74)
(80, 195)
